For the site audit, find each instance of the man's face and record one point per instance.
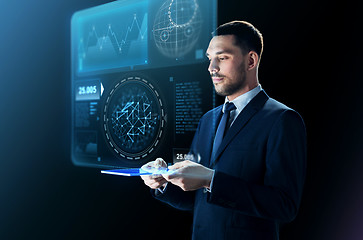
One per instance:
(227, 66)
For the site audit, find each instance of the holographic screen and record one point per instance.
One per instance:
(139, 80)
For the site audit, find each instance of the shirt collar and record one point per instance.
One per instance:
(241, 101)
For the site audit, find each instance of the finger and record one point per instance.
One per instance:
(143, 177)
(159, 162)
(154, 176)
(157, 178)
(178, 165)
(153, 182)
(166, 177)
(156, 185)
(147, 166)
(177, 182)
(162, 182)
(151, 178)
(174, 174)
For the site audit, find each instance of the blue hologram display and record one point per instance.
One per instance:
(141, 34)
(139, 80)
(115, 36)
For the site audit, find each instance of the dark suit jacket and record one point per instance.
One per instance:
(259, 173)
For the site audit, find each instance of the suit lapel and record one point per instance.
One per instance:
(247, 113)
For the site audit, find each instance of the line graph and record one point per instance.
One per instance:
(94, 38)
(116, 39)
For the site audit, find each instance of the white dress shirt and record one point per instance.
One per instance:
(241, 102)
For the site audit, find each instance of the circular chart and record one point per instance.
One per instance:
(133, 118)
(177, 27)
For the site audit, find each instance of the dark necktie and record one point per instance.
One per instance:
(222, 128)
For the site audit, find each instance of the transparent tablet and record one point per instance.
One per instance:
(137, 171)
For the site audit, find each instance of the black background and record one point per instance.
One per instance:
(310, 62)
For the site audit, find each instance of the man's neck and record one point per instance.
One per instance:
(245, 89)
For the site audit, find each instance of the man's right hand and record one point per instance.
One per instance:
(154, 181)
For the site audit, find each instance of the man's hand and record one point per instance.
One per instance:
(189, 175)
(154, 181)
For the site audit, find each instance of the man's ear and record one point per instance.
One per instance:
(252, 60)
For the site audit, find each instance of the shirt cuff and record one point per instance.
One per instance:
(209, 189)
(161, 189)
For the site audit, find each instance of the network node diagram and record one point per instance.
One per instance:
(133, 118)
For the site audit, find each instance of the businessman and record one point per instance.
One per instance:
(250, 165)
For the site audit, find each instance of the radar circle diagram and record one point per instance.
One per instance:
(177, 27)
(133, 118)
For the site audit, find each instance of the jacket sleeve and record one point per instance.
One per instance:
(175, 196)
(278, 198)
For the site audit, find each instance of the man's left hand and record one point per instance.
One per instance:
(189, 175)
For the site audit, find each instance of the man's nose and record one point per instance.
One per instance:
(213, 66)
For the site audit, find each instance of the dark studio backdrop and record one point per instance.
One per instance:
(311, 63)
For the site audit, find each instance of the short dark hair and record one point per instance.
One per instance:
(248, 38)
